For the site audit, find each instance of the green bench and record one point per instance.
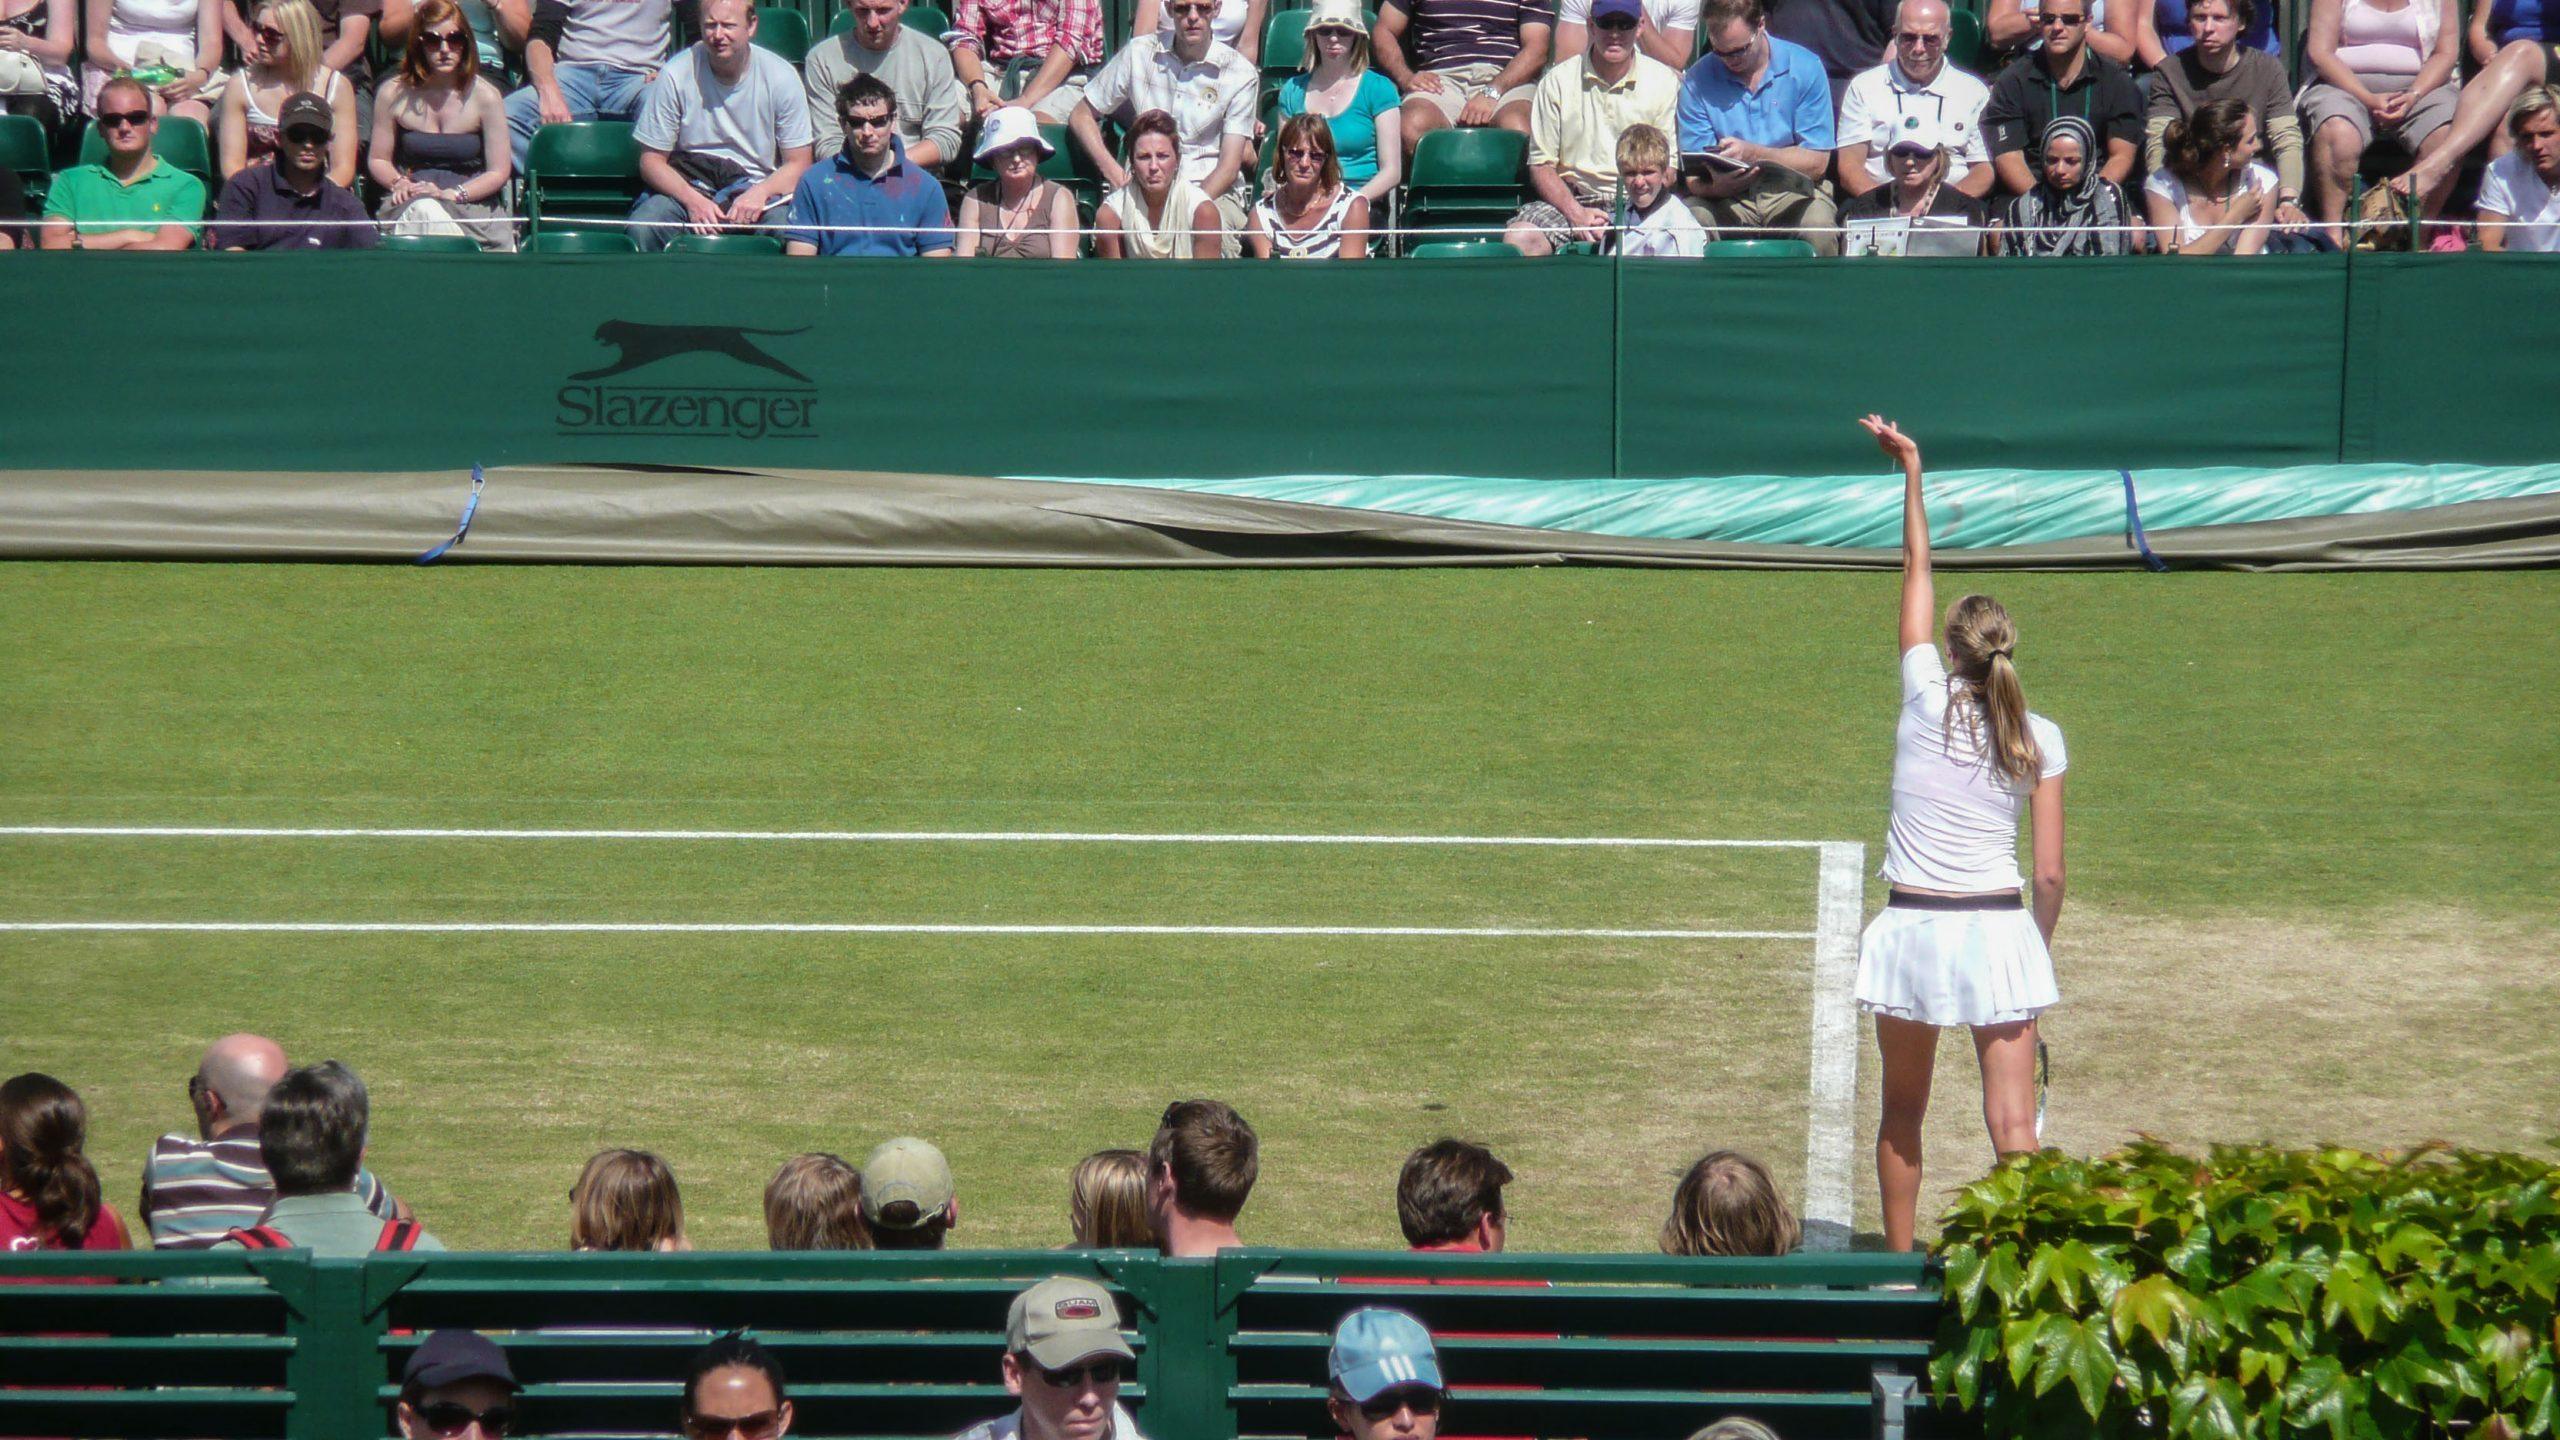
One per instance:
(878, 1345)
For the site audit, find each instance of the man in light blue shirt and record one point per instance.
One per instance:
(1761, 107)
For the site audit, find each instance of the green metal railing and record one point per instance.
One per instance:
(875, 1344)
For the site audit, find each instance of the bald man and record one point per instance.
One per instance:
(195, 1191)
(1914, 85)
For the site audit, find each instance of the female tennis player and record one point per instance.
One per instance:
(1954, 946)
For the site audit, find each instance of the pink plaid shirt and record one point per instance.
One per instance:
(1010, 29)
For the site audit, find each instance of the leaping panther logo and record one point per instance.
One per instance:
(648, 344)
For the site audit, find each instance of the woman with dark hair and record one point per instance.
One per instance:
(1954, 945)
(49, 1196)
(733, 1390)
(440, 147)
(1157, 214)
(1310, 214)
(2073, 209)
(2213, 198)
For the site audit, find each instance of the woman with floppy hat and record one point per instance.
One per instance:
(2072, 209)
(1019, 215)
(1956, 944)
(1336, 82)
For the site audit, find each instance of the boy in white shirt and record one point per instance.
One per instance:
(1657, 225)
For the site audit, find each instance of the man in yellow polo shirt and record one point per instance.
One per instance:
(132, 202)
(1583, 106)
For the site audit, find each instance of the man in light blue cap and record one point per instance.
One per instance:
(1386, 1377)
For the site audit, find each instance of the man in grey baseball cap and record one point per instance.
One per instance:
(1065, 1357)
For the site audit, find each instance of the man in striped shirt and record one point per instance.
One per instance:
(196, 1191)
(1462, 62)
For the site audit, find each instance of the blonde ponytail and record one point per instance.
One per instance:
(1981, 642)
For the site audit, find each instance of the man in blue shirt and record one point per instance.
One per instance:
(1761, 107)
(872, 184)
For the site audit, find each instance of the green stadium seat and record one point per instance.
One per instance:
(586, 170)
(1464, 250)
(581, 242)
(1965, 45)
(181, 142)
(688, 243)
(22, 149)
(784, 30)
(1762, 248)
(1465, 178)
(431, 244)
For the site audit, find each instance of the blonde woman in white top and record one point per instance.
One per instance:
(181, 35)
(287, 60)
(1954, 945)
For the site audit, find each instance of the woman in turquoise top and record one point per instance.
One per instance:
(1358, 102)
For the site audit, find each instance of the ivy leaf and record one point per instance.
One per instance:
(2354, 1291)
(1964, 1278)
(2408, 1371)
(2063, 1268)
(2018, 1339)
(2191, 1259)
(2076, 1351)
(2002, 1276)
(2209, 1408)
(2321, 1394)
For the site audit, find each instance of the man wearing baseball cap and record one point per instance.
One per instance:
(290, 203)
(1065, 1357)
(1386, 1377)
(457, 1386)
(1583, 105)
(907, 1195)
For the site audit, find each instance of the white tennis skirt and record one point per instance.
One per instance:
(1955, 967)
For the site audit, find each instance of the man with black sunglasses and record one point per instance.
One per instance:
(289, 202)
(2067, 76)
(1065, 1357)
(1385, 1376)
(132, 201)
(457, 1386)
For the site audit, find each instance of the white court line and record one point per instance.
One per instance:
(1839, 903)
(1054, 837)
(651, 927)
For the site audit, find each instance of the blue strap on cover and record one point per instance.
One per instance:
(2133, 525)
(471, 507)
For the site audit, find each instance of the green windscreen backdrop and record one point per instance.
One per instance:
(1573, 368)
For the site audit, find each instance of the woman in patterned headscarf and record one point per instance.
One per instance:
(2073, 210)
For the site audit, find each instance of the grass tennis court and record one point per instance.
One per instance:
(2313, 829)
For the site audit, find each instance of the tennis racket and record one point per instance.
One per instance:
(2044, 1076)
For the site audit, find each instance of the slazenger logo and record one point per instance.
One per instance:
(681, 410)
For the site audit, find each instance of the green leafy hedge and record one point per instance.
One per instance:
(2255, 1293)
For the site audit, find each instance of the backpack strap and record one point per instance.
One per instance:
(398, 1235)
(261, 1237)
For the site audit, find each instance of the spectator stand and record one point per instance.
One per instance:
(896, 1344)
(22, 149)
(584, 170)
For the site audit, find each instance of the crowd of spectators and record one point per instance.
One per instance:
(1812, 119)
(276, 1159)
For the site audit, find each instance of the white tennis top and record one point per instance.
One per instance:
(1955, 819)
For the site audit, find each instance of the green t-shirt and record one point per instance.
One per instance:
(165, 195)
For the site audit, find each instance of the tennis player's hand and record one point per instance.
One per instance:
(1890, 439)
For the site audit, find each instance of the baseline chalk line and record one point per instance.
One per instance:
(649, 927)
(954, 837)
(1830, 1147)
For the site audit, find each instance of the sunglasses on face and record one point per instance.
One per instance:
(1615, 22)
(1736, 53)
(110, 119)
(305, 135)
(270, 36)
(1915, 37)
(447, 1417)
(1388, 1402)
(2065, 20)
(762, 1425)
(866, 122)
(1076, 1377)
(1913, 156)
(1195, 9)
(445, 39)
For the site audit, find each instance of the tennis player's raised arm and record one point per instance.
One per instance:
(1919, 595)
